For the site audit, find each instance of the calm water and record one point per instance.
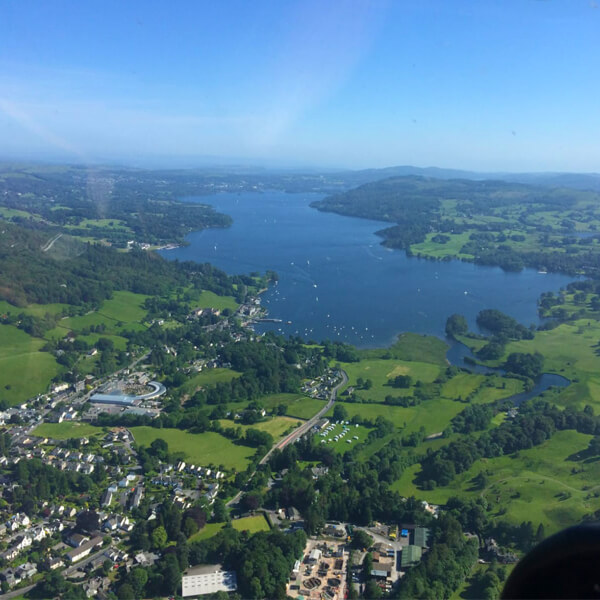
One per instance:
(338, 282)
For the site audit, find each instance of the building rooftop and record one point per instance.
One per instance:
(421, 537)
(411, 556)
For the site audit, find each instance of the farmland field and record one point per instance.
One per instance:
(379, 371)
(209, 299)
(24, 370)
(66, 430)
(276, 426)
(251, 524)
(299, 406)
(554, 483)
(208, 377)
(199, 448)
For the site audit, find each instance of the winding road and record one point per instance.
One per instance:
(298, 432)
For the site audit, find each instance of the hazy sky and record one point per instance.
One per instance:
(477, 84)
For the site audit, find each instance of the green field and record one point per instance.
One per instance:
(121, 312)
(298, 406)
(199, 448)
(550, 483)
(451, 248)
(342, 446)
(570, 350)
(66, 430)
(251, 524)
(380, 370)
(435, 415)
(125, 307)
(211, 300)
(35, 310)
(92, 338)
(24, 370)
(412, 347)
(208, 377)
(276, 426)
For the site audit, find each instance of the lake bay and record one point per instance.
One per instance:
(338, 282)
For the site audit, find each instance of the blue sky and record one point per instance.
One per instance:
(478, 84)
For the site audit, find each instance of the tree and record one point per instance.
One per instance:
(171, 574)
(87, 521)
(540, 534)
(138, 578)
(372, 590)
(190, 527)
(252, 500)
(594, 446)
(160, 448)
(126, 592)
(159, 537)
(456, 325)
(361, 539)
(340, 413)
(220, 513)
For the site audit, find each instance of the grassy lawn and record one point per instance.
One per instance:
(298, 406)
(125, 307)
(120, 313)
(570, 350)
(435, 415)
(105, 224)
(379, 371)
(35, 310)
(24, 370)
(251, 524)
(452, 247)
(342, 446)
(92, 338)
(199, 448)
(208, 377)
(65, 431)
(276, 426)
(550, 483)
(211, 300)
(413, 347)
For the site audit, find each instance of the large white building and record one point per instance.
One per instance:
(207, 579)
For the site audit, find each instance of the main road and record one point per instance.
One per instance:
(298, 432)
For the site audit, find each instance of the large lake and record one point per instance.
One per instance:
(338, 282)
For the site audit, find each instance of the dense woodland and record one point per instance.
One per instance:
(92, 272)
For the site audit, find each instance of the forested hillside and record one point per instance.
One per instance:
(512, 225)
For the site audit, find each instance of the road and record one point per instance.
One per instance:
(298, 432)
(49, 244)
(17, 593)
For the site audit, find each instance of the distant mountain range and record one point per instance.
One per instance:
(584, 181)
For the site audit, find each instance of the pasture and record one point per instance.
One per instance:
(346, 441)
(379, 371)
(299, 406)
(199, 448)
(67, 430)
(276, 426)
(570, 350)
(209, 299)
(555, 483)
(412, 347)
(208, 377)
(24, 370)
(434, 415)
(251, 524)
